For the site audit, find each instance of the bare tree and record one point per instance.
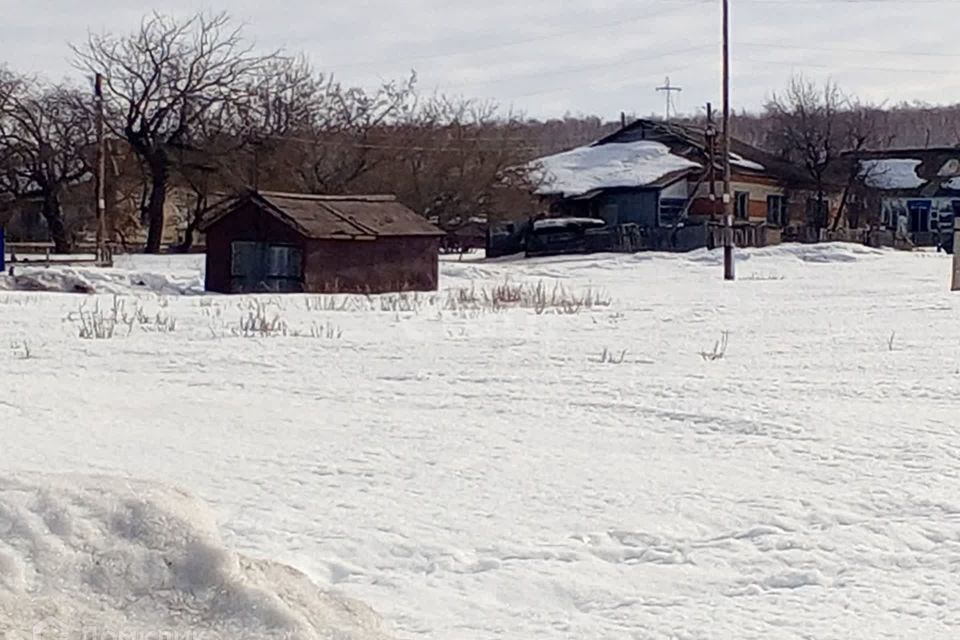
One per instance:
(466, 153)
(163, 81)
(352, 133)
(821, 128)
(806, 131)
(46, 134)
(861, 129)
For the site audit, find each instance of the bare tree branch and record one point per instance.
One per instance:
(46, 133)
(165, 83)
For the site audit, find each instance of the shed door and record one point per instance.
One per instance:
(258, 266)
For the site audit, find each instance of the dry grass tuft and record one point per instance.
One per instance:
(21, 349)
(610, 357)
(538, 297)
(719, 349)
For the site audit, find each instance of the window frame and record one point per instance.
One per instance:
(741, 213)
(675, 206)
(779, 218)
(261, 263)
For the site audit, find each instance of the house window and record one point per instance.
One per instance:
(777, 211)
(259, 266)
(918, 216)
(741, 205)
(670, 211)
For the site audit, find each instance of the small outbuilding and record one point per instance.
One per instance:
(287, 242)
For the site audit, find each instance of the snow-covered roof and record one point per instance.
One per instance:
(891, 173)
(605, 166)
(740, 161)
(953, 184)
(559, 223)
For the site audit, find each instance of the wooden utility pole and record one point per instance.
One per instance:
(669, 90)
(728, 264)
(103, 255)
(955, 284)
(711, 139)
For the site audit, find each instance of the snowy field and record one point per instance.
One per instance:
(547, 472)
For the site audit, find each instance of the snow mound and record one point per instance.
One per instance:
(96, 280)
(629, 164)
(891, 173)
(824, 253)
(84, 557)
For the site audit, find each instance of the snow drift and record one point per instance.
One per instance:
(69, 279)
(109, 558)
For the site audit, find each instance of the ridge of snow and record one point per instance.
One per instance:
(84, 556)
(152, 275)
(626, 164)
(891, 173)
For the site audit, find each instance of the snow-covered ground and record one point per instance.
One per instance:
(96, 558)
(478, 473)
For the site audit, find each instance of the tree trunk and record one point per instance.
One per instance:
(187, 243)
(155, 206)
(842, 208)
(823, 209)
(53, 215)
(188, 237)
(191, 231)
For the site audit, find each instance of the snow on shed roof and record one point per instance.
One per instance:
(626, 164)
(891, 173)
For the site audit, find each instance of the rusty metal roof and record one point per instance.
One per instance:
(332, 217)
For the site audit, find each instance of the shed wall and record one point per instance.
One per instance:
(402, 263)
(247, 224)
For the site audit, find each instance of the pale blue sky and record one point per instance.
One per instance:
(548, 57)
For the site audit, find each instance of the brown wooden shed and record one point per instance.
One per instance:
(286, 242)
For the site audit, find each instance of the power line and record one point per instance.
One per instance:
(632, 81)
(836, 66)
(906, 3)
(675, 6)
(506, 143)
(776, 45)
(563, 71)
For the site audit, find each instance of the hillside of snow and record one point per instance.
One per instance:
(96, 557)
(603, 447)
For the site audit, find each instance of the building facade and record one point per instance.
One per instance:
(658, 185)
(281, 242)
